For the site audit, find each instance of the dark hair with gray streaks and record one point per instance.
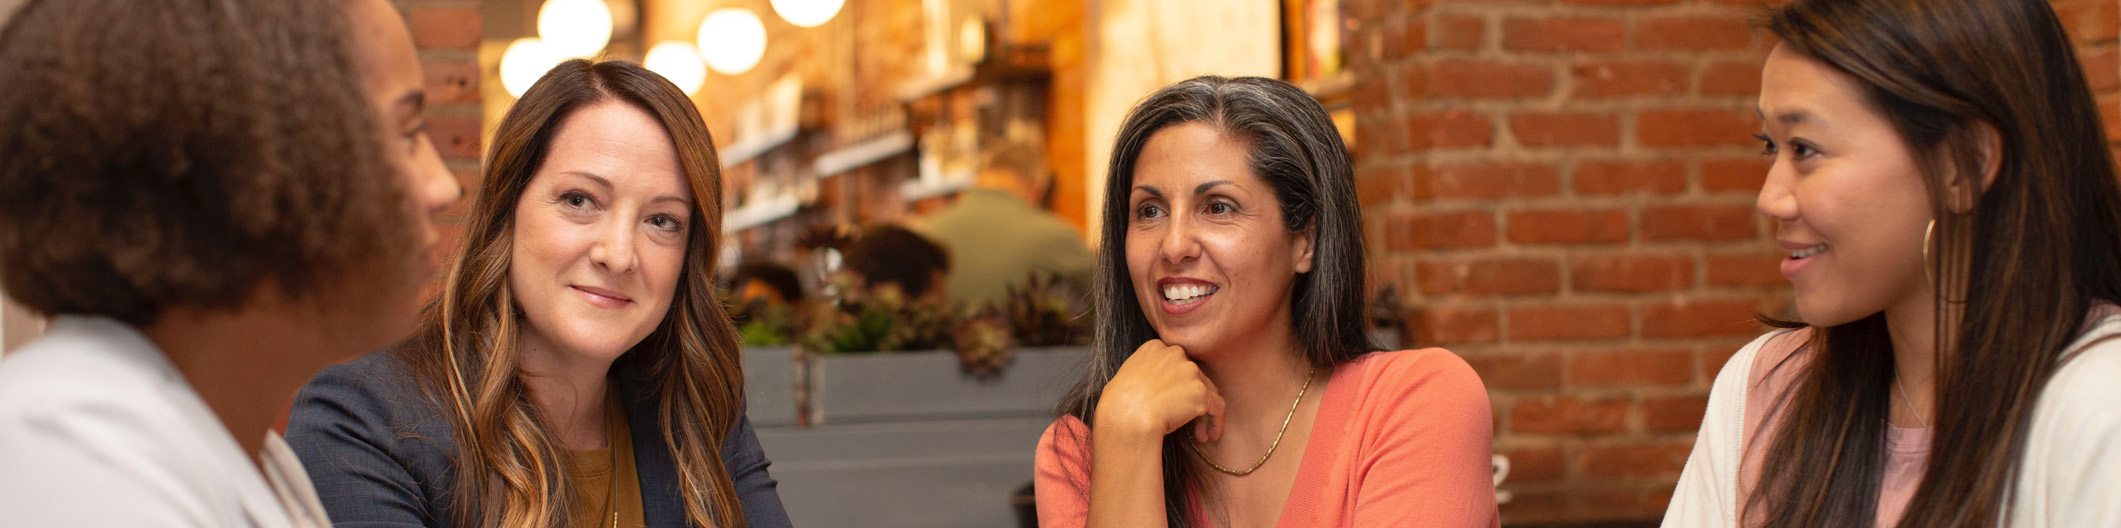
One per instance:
(1295, 148)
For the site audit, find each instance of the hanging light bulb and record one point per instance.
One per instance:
(807, 13)
(526, 61)
(575, 28)
(732, 40)
(679, 62)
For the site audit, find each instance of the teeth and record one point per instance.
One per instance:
(1807, 252)
(1187, 292)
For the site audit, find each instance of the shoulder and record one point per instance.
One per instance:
(1433, 373)
(1769, 353)
(2080, 395)
(376, 397)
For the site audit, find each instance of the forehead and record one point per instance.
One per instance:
(382, 47)
(1192, 152)
(1796, 89)
(620, 143)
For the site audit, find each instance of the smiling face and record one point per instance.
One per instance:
(600, 236)
(1844, 191)
(390, 75)
(1208, 253)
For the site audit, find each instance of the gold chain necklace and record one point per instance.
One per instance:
(1277, 435)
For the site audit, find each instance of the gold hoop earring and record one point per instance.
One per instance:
(1926, 231)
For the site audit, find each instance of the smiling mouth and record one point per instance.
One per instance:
(1801, 254)
(1184, 294)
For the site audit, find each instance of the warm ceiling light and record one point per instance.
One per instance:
(575, 28)
(807, 13)
(526, 61)
(732, 40)
(679, 62)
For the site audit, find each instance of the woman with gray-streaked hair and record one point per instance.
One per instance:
(1229, 297)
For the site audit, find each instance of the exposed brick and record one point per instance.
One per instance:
(1564, 34)
(1699, 318)
(1699, 222)
(1533, 465)
(1568, 226)
(1488, 80)
(1611, 368)
(1731, 78)
(1488, 180)
(1745, 270)
(1693, 33)
(1565, 322)
(1694, 127)
(2092, 21)
(444, 27)
(1671, 415)
(1630, 78)
(1615, 177)
(1518, 371)
(1450, 129)
(1568, 415)
(2102, 67)
(1565, 129)
(1661, 460)
(1379, 185)
(1745, 174)
(1402, 36)
(1507, 275)
(1631, 272)
(1441, 230)
(451, 82)
(1454, 326)
(1463, 33)
(456, 137)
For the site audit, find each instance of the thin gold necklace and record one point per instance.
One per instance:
(1277, 434)
(1910, 402)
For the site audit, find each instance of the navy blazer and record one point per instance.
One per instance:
(380, 452)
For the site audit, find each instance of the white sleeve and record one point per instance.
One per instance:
(1707, 494)
(84, 464)
(2070, 473)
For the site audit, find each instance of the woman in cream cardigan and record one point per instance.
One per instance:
(1942, 185)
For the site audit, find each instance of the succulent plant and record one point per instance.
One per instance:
(1045, 311)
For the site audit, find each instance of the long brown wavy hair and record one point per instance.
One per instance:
(507, 469)
(2015, 274)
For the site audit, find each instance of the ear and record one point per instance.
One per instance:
(1989, 145)
(1302, 249)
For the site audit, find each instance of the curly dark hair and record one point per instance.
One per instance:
(187, 153)
(890, 254)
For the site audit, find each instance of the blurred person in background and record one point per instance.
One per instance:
(212, 208)
(577, 369)
(998, 234)
(891, 255)
(1942, 184)
(1232, 382)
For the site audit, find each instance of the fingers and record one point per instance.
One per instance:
(1213, 399)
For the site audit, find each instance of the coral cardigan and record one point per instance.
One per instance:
(1401, 439)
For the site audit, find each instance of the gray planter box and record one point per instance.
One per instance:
(772, 378)
(912, 386)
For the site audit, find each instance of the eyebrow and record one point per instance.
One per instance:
(606, 183)
(1788, 118)
(1197, 189)
(417, 99)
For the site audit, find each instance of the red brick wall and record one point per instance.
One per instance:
(446, 33)
(1564, 189)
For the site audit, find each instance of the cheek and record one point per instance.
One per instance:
(661, 267)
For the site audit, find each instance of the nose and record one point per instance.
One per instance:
(1777, 200)
(434, 188)
(614, 249)
(1181, 239)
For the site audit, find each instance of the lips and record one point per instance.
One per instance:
(602, 297)
(1184, 294)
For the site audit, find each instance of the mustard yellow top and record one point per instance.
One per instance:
(598, 503)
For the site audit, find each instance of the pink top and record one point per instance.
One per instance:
(1401, 439)
(1907, 449)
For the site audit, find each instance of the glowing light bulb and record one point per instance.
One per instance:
(807, 13)
(575, 28)
(679, 62)
(526, 61)
(732, 40)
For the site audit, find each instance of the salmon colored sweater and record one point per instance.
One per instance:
(1401, 439)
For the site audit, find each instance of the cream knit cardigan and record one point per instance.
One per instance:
(2070, 476)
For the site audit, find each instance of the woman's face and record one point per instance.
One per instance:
(1844, 191)
(1208, 254)
(600, 234)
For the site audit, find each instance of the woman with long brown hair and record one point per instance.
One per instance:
(576, 369)
(1942, 184)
